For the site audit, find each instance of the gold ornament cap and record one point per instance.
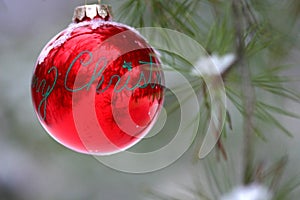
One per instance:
(90, 12)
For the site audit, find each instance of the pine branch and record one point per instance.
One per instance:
(247, 91)
(243, 26)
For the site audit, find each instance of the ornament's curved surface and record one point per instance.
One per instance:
(114, 64)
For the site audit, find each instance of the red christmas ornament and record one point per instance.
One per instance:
(97, 85)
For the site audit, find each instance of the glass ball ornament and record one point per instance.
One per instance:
(97, 85)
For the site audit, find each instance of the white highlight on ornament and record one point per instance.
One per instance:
(221, 64)
(65, 35)
(139, 43)
(62, 38)
(251, 192)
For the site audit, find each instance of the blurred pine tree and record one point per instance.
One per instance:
(261, 34)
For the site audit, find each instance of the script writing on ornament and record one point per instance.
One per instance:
(148, 76)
